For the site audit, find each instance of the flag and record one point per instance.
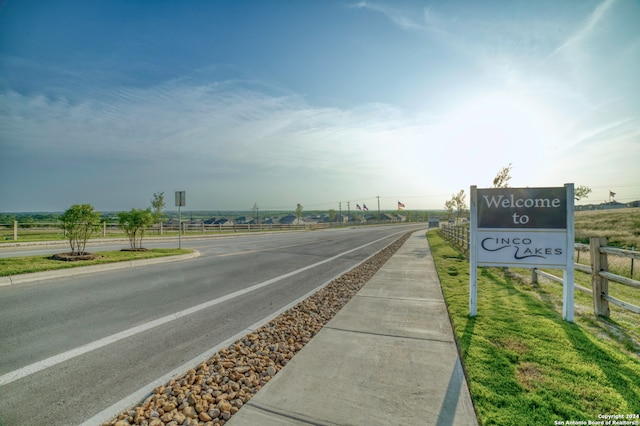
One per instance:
(358, 207)
(612, 194)
(400, 205)
(364, 206)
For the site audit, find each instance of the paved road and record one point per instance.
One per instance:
(71, 348)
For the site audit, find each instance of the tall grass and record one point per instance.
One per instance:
(620, 226)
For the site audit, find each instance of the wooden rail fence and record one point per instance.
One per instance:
(599, 254)
(19, 231)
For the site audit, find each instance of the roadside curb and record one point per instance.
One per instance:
(68, 272)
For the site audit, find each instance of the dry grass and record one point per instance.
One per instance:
(620, 226)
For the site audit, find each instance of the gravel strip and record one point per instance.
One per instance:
(212, 392)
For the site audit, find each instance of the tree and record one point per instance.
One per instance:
(256, 211)
(299, 209)
(460, 203)
(134, 223)
(332, 215)
(157, 204)
(449, 205)
(78, 223)
(503, 177)
(581, 192)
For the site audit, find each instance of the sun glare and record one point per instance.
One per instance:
(501, 126)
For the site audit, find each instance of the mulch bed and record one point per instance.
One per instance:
(70, 257)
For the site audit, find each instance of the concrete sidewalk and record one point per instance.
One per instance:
(387, 358)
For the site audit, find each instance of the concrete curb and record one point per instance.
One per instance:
(59, 273)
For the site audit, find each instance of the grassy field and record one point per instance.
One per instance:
(525, 365)
(620, 226)
(22, 265)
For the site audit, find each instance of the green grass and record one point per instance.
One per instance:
(622, 328)
(525, 365)
(23, 265)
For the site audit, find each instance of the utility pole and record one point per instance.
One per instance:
(348, 211)
(378, 197)
(340, 209)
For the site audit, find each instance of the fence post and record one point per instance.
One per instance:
(534, 276)
(104, 228)
(202, 228)
(15, 230)
(599, 285)
(467, 232)
(161, 230)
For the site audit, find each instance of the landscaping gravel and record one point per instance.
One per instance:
(216, 389)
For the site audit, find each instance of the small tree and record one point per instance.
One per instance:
(503, 177)
(299, 209)
(460, 203)
(78, 223)
(157, 204)
(581, 192)
(134, 223)
(449, 205)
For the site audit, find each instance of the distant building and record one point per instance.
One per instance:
(290, 219)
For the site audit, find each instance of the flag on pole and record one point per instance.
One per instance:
(358, 207)
(364, 206)
(612, 194)
(400, 205)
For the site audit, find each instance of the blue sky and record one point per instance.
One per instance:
(313, 102)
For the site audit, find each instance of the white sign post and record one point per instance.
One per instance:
(181, 200)
(524, 228)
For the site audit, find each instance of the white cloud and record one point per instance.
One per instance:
(585, 30)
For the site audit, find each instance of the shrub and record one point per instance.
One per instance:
(78, 223)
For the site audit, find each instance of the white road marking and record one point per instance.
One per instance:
(81, 350)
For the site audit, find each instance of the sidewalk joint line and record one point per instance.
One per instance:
(292, 416)
(408, 299)
(428, 339)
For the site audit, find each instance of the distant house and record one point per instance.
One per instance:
(240, 220)
(607, 205)
(340, 218)
(311, 219)
(290, 219)
(616, 205)
(222, 221)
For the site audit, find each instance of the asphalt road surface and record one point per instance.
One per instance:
(77, 349)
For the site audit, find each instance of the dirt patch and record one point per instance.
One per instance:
(71, 257)
(529, 375)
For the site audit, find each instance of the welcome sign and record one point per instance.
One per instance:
(526, 228)
(522, 227)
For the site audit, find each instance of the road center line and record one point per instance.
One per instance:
(81, 350)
